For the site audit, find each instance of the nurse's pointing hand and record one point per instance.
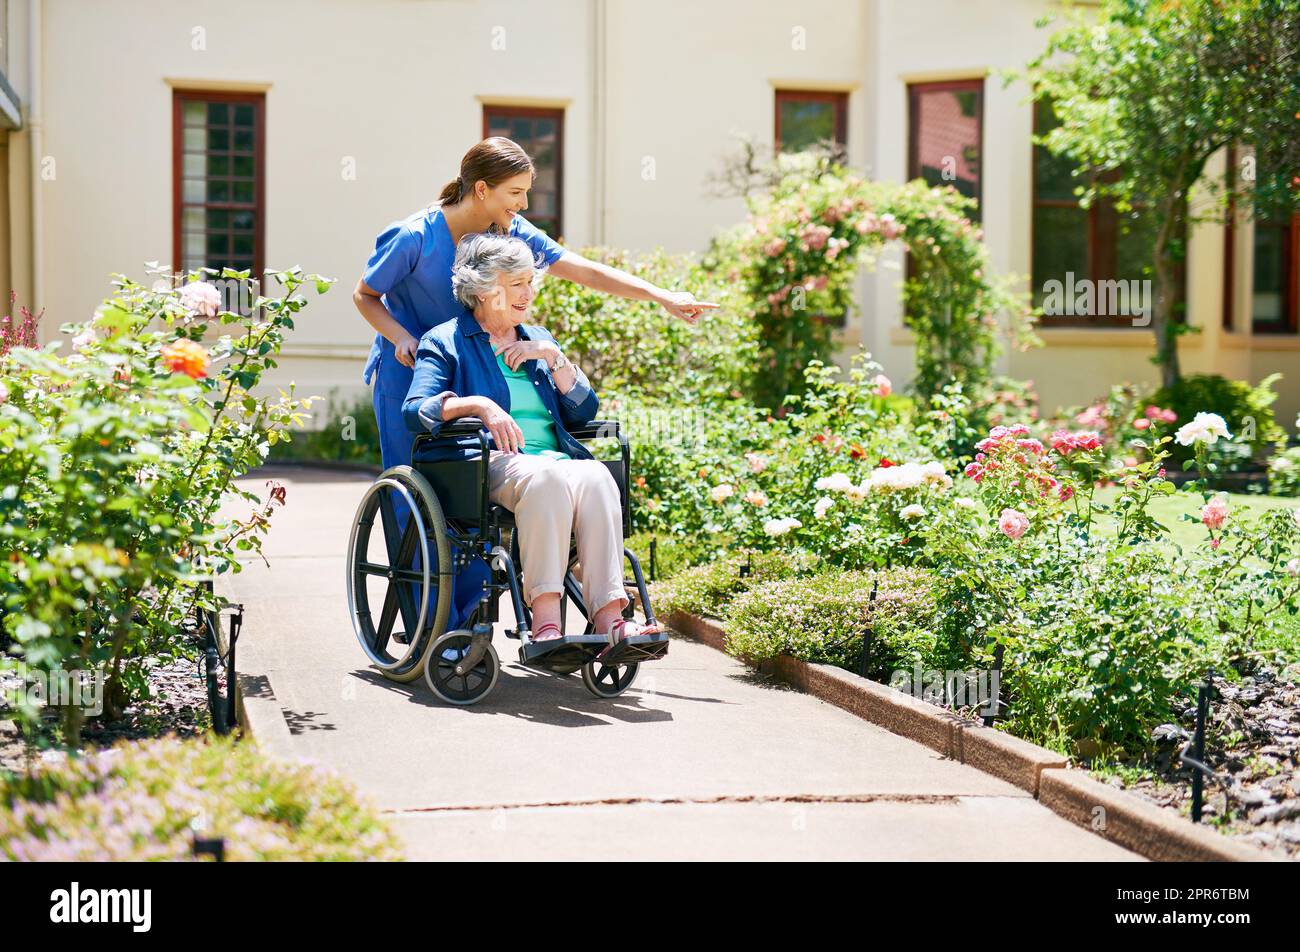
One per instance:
(682, 304)
(406, 349)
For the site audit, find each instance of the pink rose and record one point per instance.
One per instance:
(1215, 512)
(882, 385)
(1141, 424)
(1013, 523)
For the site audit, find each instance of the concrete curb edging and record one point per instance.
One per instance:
(260, 715)
(1109, 812)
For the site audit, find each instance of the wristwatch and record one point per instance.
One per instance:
(560, 361)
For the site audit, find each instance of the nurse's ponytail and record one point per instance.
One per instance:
(493, 161)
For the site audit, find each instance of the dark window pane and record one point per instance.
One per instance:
(1270, 268)
(243, 140)
(218, 140)
(217, 244)
(218, 219)
(219, 165)
(1135, 246)
(244, 114)
(244, 166)
(218, 190)
(241, 221)
(243, 192)
(540, 136)
(805, 123)
(1060, 246)
(242, 244)
(218, 114)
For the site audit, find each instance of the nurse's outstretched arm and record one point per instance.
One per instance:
(601, 277)
(368, 302)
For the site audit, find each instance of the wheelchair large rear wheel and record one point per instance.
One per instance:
(400, 575)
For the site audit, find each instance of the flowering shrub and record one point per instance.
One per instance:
(114, 460)
(799, 253)
(1102, 622)
(1247, 411)
(1284, 471)
(823, 619)
(708, 589)
(147, 801)
(637, 349)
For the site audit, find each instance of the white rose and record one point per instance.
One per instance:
(839, 482)
(964, 503)
(721, 492)
(823, 504)
(779, 527)
(912, 512)
(1204, 428)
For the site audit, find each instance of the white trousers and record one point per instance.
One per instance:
(553, 499)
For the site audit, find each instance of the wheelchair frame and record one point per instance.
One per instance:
(459, 510)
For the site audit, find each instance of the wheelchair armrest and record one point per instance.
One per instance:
(456, 429)
(597, 429)
(462, 426)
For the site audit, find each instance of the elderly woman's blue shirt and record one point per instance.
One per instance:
(456, 359)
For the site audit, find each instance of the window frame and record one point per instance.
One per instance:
(976, 85)
(840, 101)
(536, 112)
(258, 102)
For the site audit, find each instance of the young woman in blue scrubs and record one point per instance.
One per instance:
(406, 291)
(406, 287)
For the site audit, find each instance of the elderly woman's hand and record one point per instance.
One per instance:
(521, 350)
(505, 431)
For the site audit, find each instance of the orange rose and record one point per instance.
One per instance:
(187, 357)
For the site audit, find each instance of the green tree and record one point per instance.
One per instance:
(1148, 90)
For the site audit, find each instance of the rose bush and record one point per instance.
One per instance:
(114, 459)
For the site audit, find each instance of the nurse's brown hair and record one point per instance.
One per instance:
(493, 161)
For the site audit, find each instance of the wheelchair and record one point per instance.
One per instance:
(418, 525)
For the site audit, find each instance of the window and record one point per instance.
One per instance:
(1073, 244)
(1274, 288)
(541, 133)
(1275, 283)
(804, 119)
(946, 137)
(218, 182)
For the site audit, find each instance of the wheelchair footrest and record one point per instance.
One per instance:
(635, 649)
(562, 655)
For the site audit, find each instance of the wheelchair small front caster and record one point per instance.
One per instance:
(608, 680)
(455, 675)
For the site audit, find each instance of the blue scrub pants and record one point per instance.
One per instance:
(395, 442)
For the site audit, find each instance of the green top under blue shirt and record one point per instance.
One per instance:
(528, 411)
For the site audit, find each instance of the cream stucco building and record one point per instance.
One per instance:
(282, 132)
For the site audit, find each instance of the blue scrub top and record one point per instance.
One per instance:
(411, 269)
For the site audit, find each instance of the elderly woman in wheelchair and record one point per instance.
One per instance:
(502, 413)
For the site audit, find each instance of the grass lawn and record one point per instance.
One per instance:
(1168, 511)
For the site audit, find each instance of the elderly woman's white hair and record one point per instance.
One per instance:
(480, 261)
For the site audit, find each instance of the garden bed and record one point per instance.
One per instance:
(1254, 748)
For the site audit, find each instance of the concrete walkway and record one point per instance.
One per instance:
(701, 759)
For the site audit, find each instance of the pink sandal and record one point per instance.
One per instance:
(550, 626)
(630, 642)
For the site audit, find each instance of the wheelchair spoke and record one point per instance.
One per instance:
(405, 551)
(386, 618)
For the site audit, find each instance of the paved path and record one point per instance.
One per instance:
(701, 759)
